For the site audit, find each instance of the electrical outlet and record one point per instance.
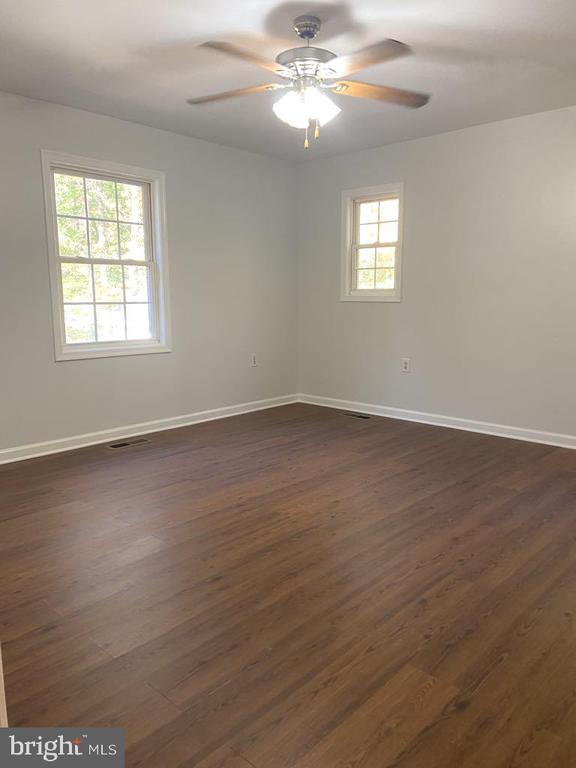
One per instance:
(406, 365)
(253, 360)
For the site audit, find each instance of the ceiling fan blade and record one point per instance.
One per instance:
(240, 53)
(385, 50)
(381, 93)
(238, 92)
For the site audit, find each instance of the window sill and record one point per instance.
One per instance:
(390, 297)
(81, 352)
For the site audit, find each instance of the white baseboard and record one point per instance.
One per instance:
(106, 435)
(33, 450)
(500, 430)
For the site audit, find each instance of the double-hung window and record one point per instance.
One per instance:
(372, 244)
(107, 257)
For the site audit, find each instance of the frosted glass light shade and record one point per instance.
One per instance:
(319, 106)
(292, 110)
(298, 108)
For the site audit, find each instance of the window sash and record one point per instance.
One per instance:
(124, 301)
(356, 246)
(111, 262)
(148, 263)
(94, 218)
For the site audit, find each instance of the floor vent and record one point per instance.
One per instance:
(356, 415)
(128, 443)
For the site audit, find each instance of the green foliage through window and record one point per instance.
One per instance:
(102, 220)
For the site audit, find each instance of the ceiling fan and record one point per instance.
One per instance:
(313, 72)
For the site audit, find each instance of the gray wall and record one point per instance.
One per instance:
(232, 276)
(488, 315)
(489, 309)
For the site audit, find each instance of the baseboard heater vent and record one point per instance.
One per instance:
(355, 415)
(128, 443)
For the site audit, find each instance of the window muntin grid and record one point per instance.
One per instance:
(107, 269)
(375, 243)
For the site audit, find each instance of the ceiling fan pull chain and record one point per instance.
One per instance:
(317, 129)
(306, 142)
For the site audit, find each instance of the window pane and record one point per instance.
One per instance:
(103, 239)
(72, 240)
(108, 283)
(132, 242)
(138, 321)
(365, 279)
(366, 257)
(76, 282)
(369, 212)
(101, 197)
(389, 210)
(79, 323)
(110, 318)
(368, 233)
(385, 278)
(389, 232)
(69, 192)
(386, 257)
(130, 202)
(136, 279)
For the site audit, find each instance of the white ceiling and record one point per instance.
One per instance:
(481, 60)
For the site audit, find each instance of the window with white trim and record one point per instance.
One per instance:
(107, 257)
(372, 244)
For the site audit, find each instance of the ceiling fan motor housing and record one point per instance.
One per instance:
(306, 60)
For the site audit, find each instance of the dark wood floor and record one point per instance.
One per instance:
(297, 588)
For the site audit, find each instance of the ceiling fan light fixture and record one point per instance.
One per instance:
(300, 108)
(308, 72)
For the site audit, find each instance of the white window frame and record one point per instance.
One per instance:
(155, 221)
(350, 198)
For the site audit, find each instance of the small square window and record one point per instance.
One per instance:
(372, 247)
